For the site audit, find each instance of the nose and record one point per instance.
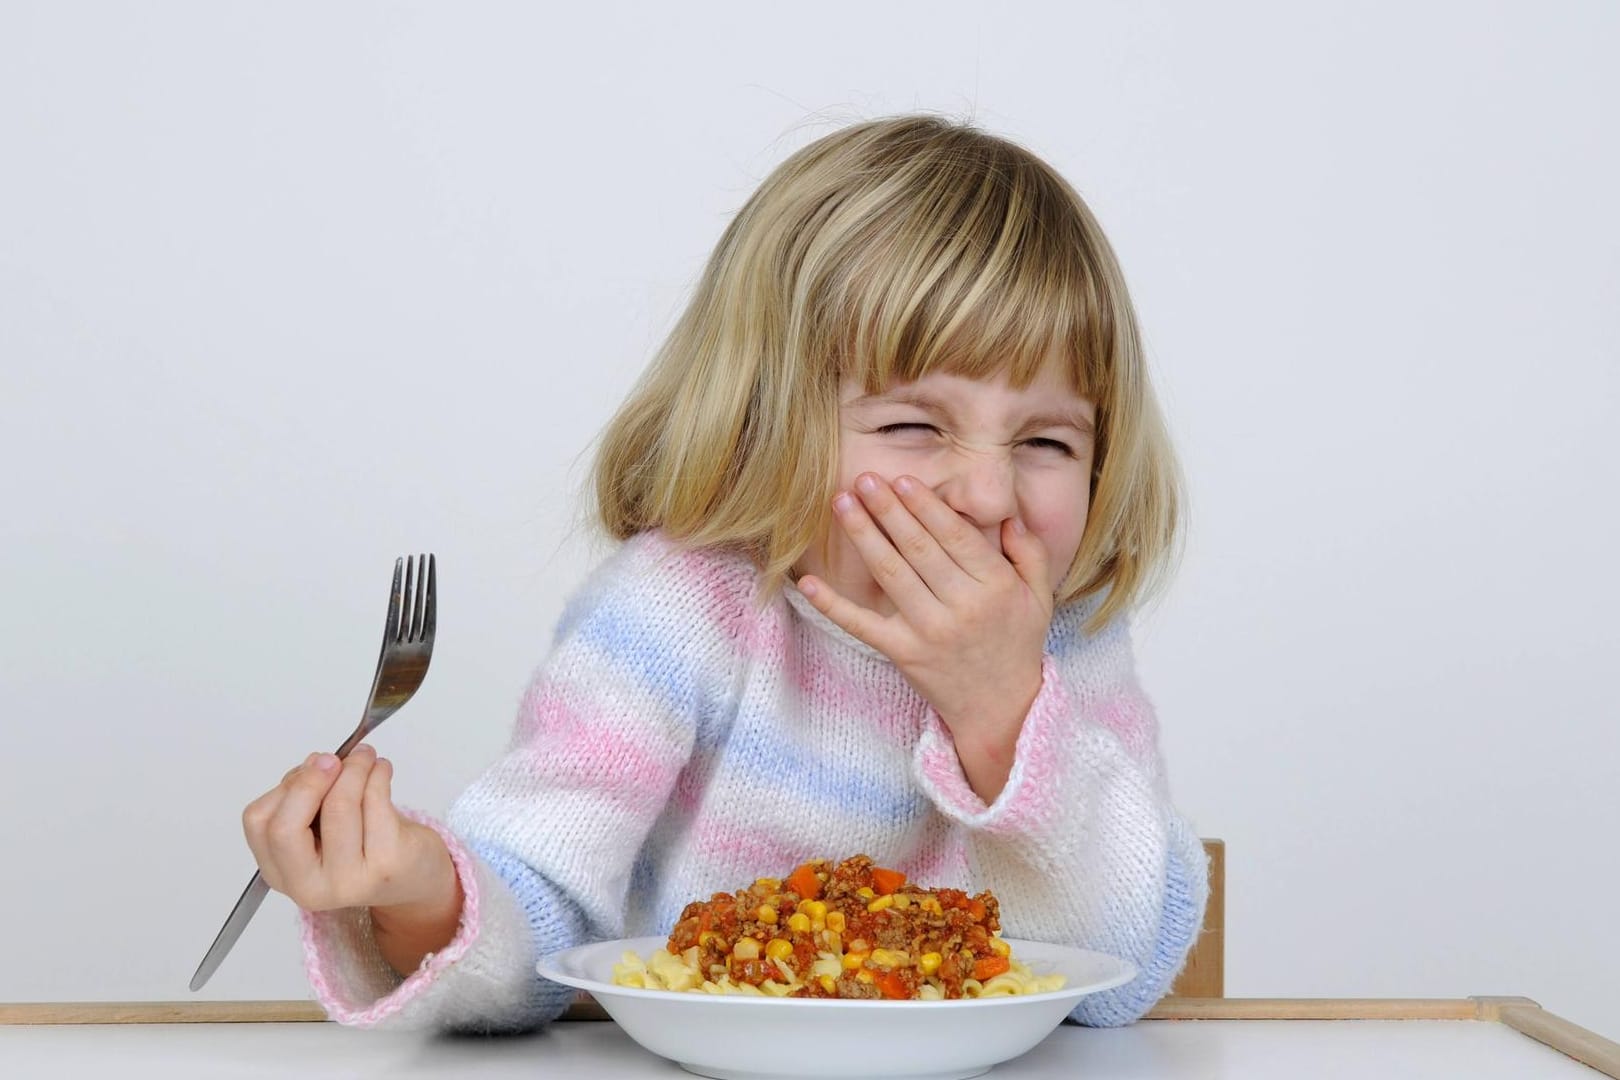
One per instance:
(983, 489)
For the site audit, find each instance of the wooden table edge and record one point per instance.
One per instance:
(1521, 1014)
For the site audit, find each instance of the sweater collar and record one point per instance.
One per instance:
(807, 611)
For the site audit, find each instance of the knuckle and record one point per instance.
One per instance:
(295, 775)
(916, 545)
(889, 566)
(343, 799)
(356, 770)
(254, 818)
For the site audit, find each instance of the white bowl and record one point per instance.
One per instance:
(743, 1037)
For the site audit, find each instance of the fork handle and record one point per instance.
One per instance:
(368, 724)
(235, 923)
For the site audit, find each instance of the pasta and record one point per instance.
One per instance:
(853, 930)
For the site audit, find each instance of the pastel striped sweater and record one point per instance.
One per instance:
(681, 739)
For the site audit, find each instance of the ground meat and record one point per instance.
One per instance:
(894, 934)
(850, 909)
(851, 987)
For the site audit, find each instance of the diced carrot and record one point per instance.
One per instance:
(892, 986)
(976, 909)
(804, 882)
(990, 967)
(885, 882)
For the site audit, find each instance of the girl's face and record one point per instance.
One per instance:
(989, 451)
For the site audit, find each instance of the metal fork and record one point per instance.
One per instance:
(406, 649)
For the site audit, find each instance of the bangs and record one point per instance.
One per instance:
(985, 265)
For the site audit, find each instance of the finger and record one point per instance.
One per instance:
(256, 818)
(854, 619)
(958, 540)
(256, 828)
(341, 822)
(382, 820)
(1028, 556)
(893, 574)
(291, 841)
(914, 539)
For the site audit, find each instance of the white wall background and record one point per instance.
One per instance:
(287, 290)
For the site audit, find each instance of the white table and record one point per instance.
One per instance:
(1208, 1049)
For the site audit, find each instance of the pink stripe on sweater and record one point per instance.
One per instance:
(581, 742)
(822, 679)
(735, 848)
(1131, 719)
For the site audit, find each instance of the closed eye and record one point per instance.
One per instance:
(1051, 444)
(895, 429)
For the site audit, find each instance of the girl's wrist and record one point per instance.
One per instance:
(425, 921)
(986, 738)
(987, 763)
(429, 890)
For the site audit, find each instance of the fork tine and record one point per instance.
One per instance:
(431, 608)
(417, 610)
(391, 620)
(403, 631)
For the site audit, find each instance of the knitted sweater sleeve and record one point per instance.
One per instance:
(1082, 845)
(544, 840)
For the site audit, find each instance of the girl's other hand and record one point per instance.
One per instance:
(970, 623)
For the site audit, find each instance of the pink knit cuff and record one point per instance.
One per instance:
(348, 973)
(1028, 802)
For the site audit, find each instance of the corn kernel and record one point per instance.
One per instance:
(799, 922)
(816, 909)
(746, 949)
(779, 949)
(901, 901)
(890, 958)
(769, 884)
(863, 976)
(854, 960)
(835, 921)
(832, 942)
(866, 891)
(859, 945)
(931, 905)
(882, 903)
(765, 913)
(707, 936)
(829, 984)
(999, 947)
(929, 962)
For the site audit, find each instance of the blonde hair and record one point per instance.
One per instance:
(882, 252)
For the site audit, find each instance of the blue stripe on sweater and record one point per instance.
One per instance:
(624, 634)
(787, 765)
(642, 648)
(554, 923)
(1180, 923)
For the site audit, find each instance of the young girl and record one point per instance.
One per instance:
(885, 498)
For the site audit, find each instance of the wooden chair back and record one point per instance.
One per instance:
(1205, 973)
